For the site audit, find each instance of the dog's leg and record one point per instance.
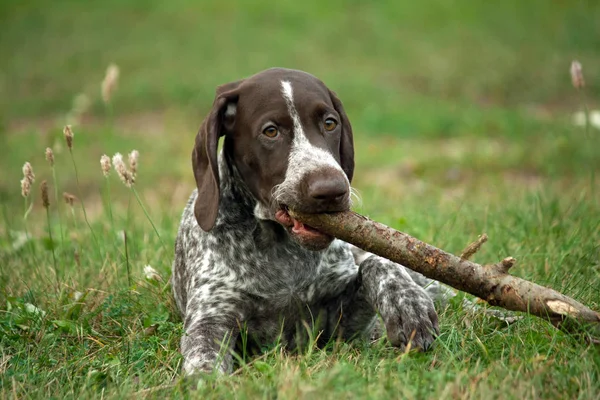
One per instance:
(438, 292)
(382, 286)
(405, 307)
(206, 346)
(350, 315)
(211, 330)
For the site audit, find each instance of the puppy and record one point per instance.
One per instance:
(243, 263)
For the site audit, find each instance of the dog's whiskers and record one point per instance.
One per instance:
(355, 194)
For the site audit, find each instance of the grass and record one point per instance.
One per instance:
(462, 117)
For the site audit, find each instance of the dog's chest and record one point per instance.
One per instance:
(278, 274)
(282, 275)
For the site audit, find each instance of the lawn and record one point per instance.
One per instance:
(463, 120)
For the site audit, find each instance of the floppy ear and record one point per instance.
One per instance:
(346, 142)
(204, 155)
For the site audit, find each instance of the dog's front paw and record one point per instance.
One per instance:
(409, 317)
(210, 362)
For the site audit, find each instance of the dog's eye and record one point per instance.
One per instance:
(329, 124)
(270, 131)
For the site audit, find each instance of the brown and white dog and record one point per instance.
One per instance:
(242, 262)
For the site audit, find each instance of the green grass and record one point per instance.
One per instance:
(462, 117)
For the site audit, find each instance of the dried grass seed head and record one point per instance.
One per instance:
(119, 165)
(50, 156)
(577, 75)
(133, 161)
(25, 187)
(81, 104)
(45, 197)
(69, 198)
(152, 274)
(68, 136)
(105, 164)
(28, 172)
(110, 82)
(28, 179)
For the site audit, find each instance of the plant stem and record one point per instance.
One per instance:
(588, 135)
(62, 236)
(83, 206)
(127, 260)
(586, 112)
(75, 223)
(128, 292)
(28, 208)
(52, 247)
(110, 214)
(110, 115)
(147, 215)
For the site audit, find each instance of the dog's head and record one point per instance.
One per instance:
(288, 136)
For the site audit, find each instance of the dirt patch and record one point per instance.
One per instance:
(147, 123)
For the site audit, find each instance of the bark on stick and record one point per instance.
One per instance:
(491, 283)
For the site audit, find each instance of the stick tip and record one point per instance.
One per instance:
(507, 263)
(474, 247)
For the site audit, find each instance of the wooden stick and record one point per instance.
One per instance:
(473, 247)
(491, 283)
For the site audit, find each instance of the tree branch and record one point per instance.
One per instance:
(473, 247)
(491, 283)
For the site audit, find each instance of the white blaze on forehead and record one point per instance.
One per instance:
(288, 95)
(303, 155)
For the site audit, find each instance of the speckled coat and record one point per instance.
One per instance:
(246, 273)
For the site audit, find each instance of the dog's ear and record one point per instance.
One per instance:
(346, 142)
(204, 156)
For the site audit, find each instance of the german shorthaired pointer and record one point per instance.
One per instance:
(243, 266)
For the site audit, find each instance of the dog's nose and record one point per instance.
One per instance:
(328, 189)
(325, 190)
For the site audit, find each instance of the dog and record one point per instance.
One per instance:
(244, 267)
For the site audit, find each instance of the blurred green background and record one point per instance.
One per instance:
(417, 71)
(407, 70)
(172, 54)
(463, 120)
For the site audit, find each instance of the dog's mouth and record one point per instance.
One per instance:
(306, 235)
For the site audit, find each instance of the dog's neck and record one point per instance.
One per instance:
(235, 197)
(241, 206)
(233, 188)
